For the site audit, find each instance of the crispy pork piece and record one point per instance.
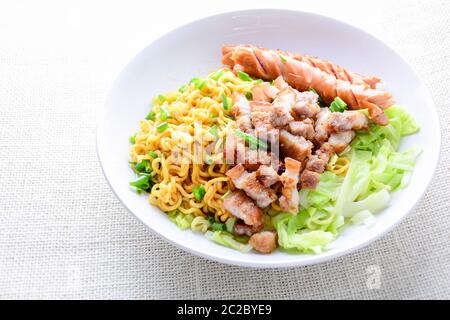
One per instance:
(339, 141)
(267, 176)
(254, 158)
(281, 107)
(306, 105)
(234, 149)
(264, 242)
(290, 199)
(296, 147)
(319, 160)
(242, 207)
(261, 116)
(309, 179)
(316, 164)
(321, 127)
(245, 230)
(279, 83)
(269, 64)
(242, 113)
(303, 128)
(253, 188)
(325, 151)
(347, 120)
(264, 92)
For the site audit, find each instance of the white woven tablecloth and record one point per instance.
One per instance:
(64, 235)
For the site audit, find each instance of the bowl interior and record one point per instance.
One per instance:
(194, 50)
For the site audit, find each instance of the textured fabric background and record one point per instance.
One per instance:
(64, 235)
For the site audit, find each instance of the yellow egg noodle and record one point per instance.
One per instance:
(197, 105)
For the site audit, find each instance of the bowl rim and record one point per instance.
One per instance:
(315, 259)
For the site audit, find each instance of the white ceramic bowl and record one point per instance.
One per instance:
(194, 50)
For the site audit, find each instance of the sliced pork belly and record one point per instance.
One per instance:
(339, 141)
(253, 188)
(261, 117)
(319, 160)
(324, 152)
(347, 120)
(267, 176)
(321, 127)
(242, 229)
(264, 92)
(295, 147)
(309, 179)
(290, 199)
(242, 113)
(316, 164)
(281, 107)
(306, 105)
(279, 83)
(254, 158)
(242, 207)
(303, 128)
(264, 242)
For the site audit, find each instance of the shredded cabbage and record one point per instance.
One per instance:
(183, 221)
(226, 239)
(364, 217)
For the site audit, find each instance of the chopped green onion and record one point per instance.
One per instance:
(199, 192)
(283, 58)
(133, 138)
(216, 76)
(244, 76)
(340, 102)
(183, 88)
(272, 83)
(312, 90)
(334, 107)
(249, 95)
(198, 83)
(214, 131)
(194, 80)
(162, 127)
(143, 182)
(152, 154)
(211, 219)
(140, 166)
(212, 115)
(151, 116)
(201, 85)
(164, 113)
(258, 81)
(338, 105)
(252, 141)
(217, 226)
(226, 102)
(161, 98)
